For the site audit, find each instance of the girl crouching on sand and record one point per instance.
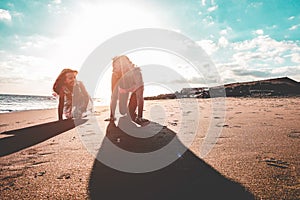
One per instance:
(73, 97)
(127, 79)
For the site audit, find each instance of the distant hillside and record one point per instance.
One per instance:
(162, 96)
(263, 88)
(270, 87)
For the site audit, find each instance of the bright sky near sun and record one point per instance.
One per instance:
(246, 39)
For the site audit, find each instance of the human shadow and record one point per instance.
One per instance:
(189, 177)
(29, 136)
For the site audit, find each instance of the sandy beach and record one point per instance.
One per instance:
(256, 155)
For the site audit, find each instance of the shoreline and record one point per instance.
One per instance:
(38, 109)
(99, 106)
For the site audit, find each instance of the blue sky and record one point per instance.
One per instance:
(246, 39)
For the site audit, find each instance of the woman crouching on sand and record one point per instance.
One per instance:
(127, 79)
(73, 97)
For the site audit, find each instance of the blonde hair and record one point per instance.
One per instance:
(58, 84)
(122, 64)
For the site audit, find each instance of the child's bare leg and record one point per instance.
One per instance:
(140, 101)
(132, 106)
(113, 104)
(123, 99)
(114, 95)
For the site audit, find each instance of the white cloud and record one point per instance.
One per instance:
(57, 1)
(288, 71)
(226, 31)
(256, 4)
(11, 5)
(213, 8)
(294, 27)
(203, 2)
(266, 44)
(263, 50)
(28, 67)
(260, 58)
(208, 21)
(291, 18)
(233, 72)
(271, 27)
(259, 32)
(279, 60)
(251, 72)
(33, 42)
(223, 42)
(295, 57)
(223, 32)
(18, 70)
(208, 46)
(17, 14)
(5, 15)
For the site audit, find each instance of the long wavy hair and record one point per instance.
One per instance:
(122, 64)
(60, 80)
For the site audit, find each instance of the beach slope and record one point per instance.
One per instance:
(255, 156)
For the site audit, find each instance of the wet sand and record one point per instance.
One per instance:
(255, 155)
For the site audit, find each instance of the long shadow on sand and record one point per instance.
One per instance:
(188, 177)
(29, 136)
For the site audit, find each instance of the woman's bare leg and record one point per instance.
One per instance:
(140, 101)
(114, 94)
(132, 106)
(123, 100)
(113, 103)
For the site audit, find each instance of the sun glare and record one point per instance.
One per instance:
(93, 24)
(90, 25)
(163, 73)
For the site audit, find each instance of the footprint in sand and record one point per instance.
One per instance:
(278, 118)
(53, 143)
(38, 163)
(64, 176)
(294, 134)
(3, 125)
(89, 133)
(32, 151)
(276, 163)
(222, 125)
(45, 153)
(39, 174)
(173, 123)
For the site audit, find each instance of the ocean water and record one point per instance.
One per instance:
(12, 103)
